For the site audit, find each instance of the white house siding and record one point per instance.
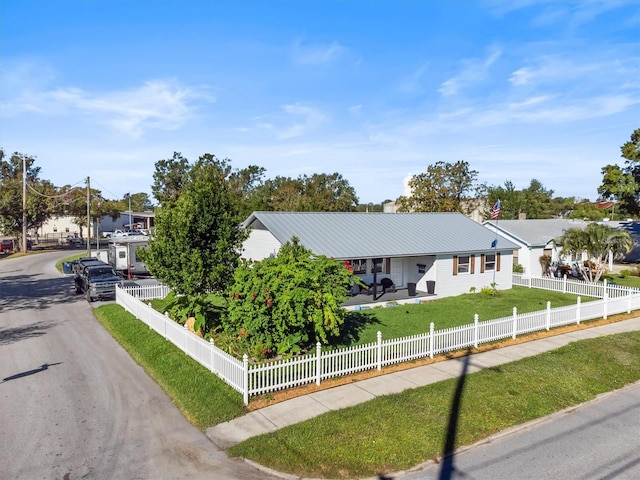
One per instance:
(414, 275)
(448, 284)
(260, 244)
(60, 227)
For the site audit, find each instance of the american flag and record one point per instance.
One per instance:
(495, 211)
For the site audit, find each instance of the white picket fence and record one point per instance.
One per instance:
(576, 287)
(313, 367)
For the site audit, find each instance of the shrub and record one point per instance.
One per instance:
(518, 268)
(285, 304)
(625, 273)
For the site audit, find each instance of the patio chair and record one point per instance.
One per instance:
(387, 285)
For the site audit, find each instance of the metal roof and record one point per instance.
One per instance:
(372, 235)
(534, 232)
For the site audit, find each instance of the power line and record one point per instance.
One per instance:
(73, 187)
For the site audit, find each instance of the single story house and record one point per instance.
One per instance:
(535, 238)
(445, 254)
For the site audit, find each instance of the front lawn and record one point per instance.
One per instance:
(412, 319)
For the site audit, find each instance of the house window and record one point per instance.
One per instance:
(422, 268)
(489, 262)
(381, 265)
(359, 265)
(464, 264)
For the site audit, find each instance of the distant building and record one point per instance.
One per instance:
(60, 227)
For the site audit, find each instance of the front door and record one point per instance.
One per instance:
(397, 272)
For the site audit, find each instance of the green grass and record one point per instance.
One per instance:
(396, 432)
(412, 319)
(630, 281)
(201, 396)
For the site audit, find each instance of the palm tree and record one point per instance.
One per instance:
(599, 241)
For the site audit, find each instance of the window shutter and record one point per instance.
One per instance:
(455, 265)
(387, 262)
(497, 261)
(472, 261)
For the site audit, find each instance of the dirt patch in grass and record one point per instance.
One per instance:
(277, 397)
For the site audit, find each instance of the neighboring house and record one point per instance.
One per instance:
(534, 239)
(442, 253)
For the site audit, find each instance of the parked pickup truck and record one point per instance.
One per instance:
(97, 281)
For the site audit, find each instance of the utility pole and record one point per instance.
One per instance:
(24, 205)
(88, 217)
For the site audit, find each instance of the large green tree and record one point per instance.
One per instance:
(283, 304)
(444, 187)
(198, 233)
(169, 177)
(534, 201)
(247, 185)
(598, 240)
(319, 192)
(622, 184)
(40, 197)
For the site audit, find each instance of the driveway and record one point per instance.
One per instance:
(74, 404)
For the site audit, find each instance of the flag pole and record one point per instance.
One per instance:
(495, 214)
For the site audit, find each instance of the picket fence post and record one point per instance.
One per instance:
(185, 334)
(578, 310)
(515, 322)
(164, 325)
(564, 283)
(379, 351)
(213, 355)
(245, 372)
(605, 298)
(475, 331)
(549, 314)
(318, 362)
(431, 329)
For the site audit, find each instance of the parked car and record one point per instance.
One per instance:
(7, 246)
(72, 240)
(97, 282)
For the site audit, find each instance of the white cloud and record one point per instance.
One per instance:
(157, 104)
(317, 54)
(305, 120)
(472, 71)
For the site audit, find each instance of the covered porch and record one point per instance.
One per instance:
(365, 300)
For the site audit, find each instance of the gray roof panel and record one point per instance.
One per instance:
(371, 235)
(537, 232)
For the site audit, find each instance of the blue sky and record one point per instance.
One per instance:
(374, 90)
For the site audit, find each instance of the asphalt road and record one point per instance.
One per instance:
(74, 405)
(597, 440)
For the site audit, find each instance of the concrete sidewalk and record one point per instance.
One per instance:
(279, 415)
